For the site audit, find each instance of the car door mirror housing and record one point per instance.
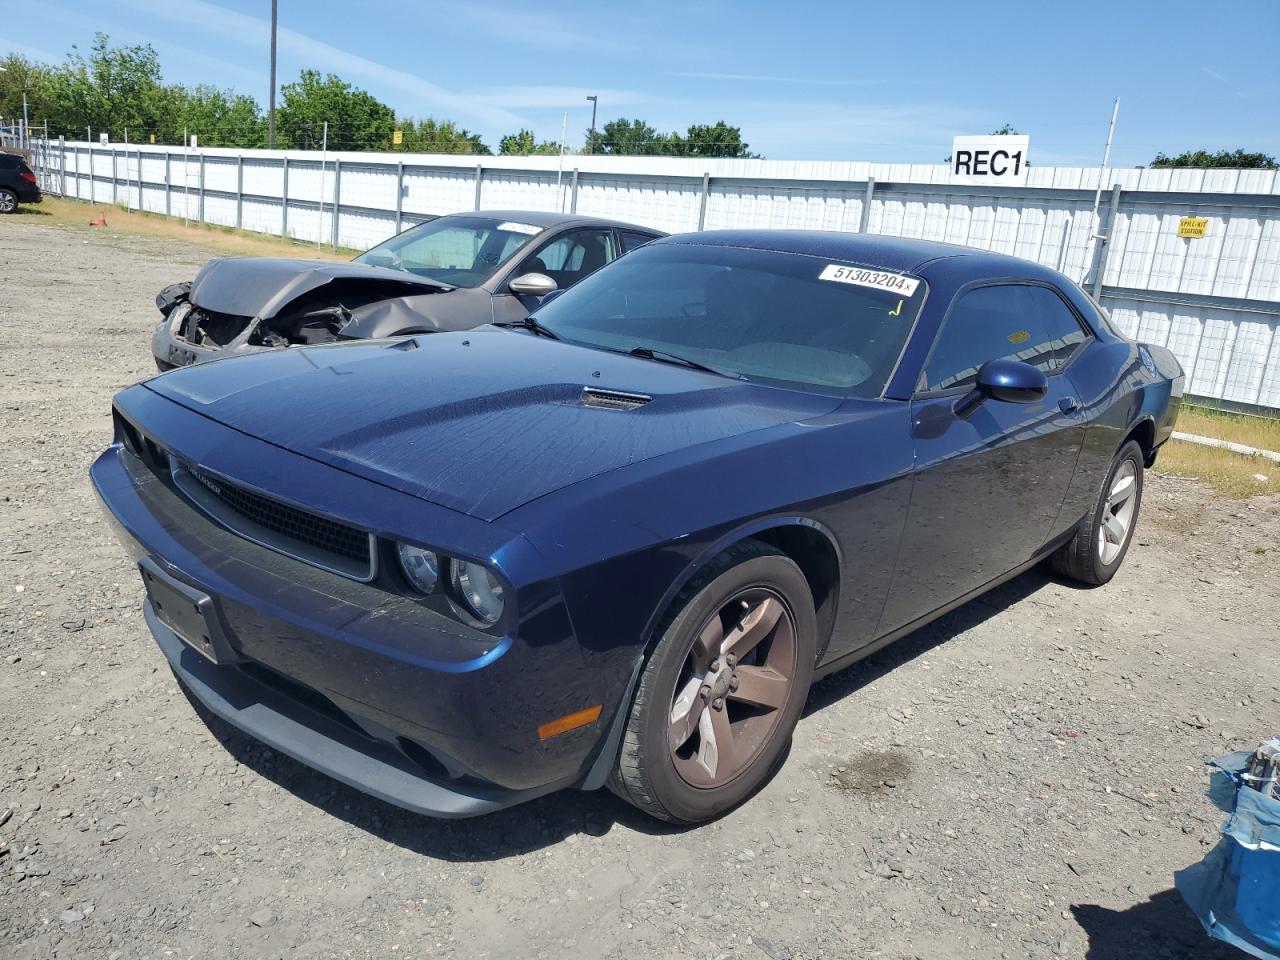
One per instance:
(532, 285)
(1010, 381)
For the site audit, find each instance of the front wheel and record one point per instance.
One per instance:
(721, 693)
(1095, 552)
(8, 200)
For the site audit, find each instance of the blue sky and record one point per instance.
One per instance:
(807, 80)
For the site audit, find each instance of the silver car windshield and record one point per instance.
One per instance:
(460, 251)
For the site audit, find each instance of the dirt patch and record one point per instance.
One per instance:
(141, 829)
(872, 771)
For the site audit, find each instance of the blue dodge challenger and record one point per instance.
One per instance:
(614, 543)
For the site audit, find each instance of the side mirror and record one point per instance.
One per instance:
(532, 285)
(1010, 381)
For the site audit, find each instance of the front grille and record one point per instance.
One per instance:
(297, 533)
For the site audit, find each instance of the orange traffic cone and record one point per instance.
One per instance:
(99, 221)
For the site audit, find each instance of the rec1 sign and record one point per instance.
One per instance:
(998, 161)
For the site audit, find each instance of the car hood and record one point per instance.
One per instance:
(260, 286)
(481, 422)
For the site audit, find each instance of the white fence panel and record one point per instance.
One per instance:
(1212, 300)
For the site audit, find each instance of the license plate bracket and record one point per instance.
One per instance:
(188, 612)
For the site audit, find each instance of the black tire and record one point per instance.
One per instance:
(1079, 558)
(8, 200)
(646, 773)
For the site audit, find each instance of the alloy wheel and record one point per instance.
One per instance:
(734, 683)
(1118, 512)
(8, 202)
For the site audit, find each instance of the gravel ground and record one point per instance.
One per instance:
(1019, 779)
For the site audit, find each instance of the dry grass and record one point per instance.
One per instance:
(1230, 474)
(75, 215)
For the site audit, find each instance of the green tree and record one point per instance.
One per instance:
(1223, 158)
(523, 144)
(630, 138)
(111, 89)
(221, 118)
(720, 140)
(436, 136)
(635, 138)
(357, 120)
(19, 76)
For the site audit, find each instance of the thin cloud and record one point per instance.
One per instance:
(557, 98)
(214, 66)
(254, 32)
(762, 78)
(1214, 74)
(28, 51)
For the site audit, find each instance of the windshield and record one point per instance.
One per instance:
(460, 251)
(781, 318)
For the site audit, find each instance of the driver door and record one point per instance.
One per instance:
(565, 258)
(987, 487)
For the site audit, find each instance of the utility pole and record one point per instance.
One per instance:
(271, 97)
(595, 102)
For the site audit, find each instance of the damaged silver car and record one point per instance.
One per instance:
(451, 273)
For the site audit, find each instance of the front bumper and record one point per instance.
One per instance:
(416, 708)
(171, 350)
(321, 742)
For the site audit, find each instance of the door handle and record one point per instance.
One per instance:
(1068, 404)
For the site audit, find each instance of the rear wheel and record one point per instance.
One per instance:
(721, 694)
(8, 200)
(1101, 540)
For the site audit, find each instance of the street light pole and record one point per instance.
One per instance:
(595, 102)
(271, 97)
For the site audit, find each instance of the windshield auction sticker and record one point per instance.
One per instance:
(512, 227)
(879, 279)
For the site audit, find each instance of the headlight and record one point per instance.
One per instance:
(420, 567)
(476, 590)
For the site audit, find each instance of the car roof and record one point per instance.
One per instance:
(541, 218)
(890, 253)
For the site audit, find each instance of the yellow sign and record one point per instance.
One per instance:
(1194, 227)
(397, 137)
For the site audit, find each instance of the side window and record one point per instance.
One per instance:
(8, 161)
(570, 257)
(631, 240)
(1065, 334)
(988, 323)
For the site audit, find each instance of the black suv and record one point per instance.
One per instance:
(17, 183)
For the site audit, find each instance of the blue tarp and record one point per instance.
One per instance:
(1235, 891)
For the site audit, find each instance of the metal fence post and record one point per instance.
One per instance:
(168, 178)
(399, 195)
(284, 199)
(706, 193)
(62, 166)
(337, 193)
(1104, 242)
(200, 200)
(91, 172)
(479, 178)
(573, 192)
(865, 220)
(114, 187)
(239, 190)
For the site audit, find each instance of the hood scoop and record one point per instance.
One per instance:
(613, 399)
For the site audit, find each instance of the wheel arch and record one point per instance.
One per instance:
(1144, 434)
(813, 548)
(808, 543)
